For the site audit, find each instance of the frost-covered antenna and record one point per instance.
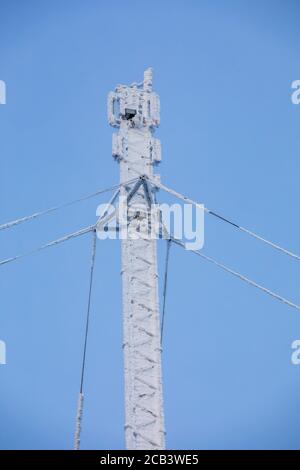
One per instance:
(135, 111)
(148, 79)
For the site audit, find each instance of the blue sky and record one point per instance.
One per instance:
(230, 139)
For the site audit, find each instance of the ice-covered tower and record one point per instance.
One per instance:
(135, 111)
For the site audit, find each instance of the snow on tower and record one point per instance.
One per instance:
(135, 110)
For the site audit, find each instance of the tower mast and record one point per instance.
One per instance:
(134, 110)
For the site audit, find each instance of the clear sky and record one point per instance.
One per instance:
(230, 139)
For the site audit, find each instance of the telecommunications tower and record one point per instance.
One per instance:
(135, 111)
